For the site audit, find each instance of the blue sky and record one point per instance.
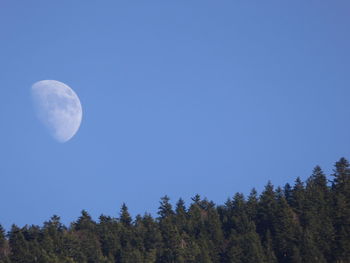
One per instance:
(179, 98)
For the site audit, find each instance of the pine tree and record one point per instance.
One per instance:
(341, 181)
(309, 222)
(181, 216)
(108, 231)
(19, 246)
(211, 230)
(165, 209)
(266, 211)
(341, 210)
(298, 200)
(84, 222)
(288, 193)
(152, 235)
(244, 242)
(2, 237)
(318, 226)
(268, 247)
(125, 217)
(252, 205)
(310, 249)
(171, 249)
(127, 237)
(88, 238)
(286, 231)
(72, 247)
(4, 250)
(52, 236)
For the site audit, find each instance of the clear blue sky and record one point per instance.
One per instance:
(179, 98)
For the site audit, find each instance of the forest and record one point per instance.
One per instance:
(307, 221)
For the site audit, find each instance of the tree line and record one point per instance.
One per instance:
(308, 221)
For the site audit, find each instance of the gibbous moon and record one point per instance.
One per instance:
(58, 108)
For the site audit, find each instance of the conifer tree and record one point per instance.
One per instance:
(165, 209)
(341, 210)
(19, 246)
(2, 237)
(288, 193)
(4, 250)
(127, 251)
(309, 249)
(319, 228)
(88, 238)
(108, 231)
(286, 231)
(244, 242)
(125, 217)
(181, 216)
(252, 205)
(171, 249)
(268, 247)
(266, 211)
(341, 181)
(298, 200)
(309, 222)
(84, 222)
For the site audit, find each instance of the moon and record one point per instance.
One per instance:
(58, 108)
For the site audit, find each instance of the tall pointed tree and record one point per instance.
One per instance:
(4, 250)
(317, 211)
(19, 247)
(266, 211)
(125, 217)
(286, 231)
(181, 216)
(165, 209)
(244, 243)
(341, 210)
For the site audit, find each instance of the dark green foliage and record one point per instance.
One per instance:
(165, 209)
(306, 222)
(19, 246)
(125, 217)
(286, 231)
(4, 249)
(341, 210)
(318, 216)
(244, 243)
